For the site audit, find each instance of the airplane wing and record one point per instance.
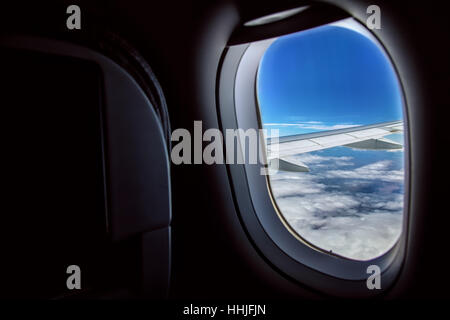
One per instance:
(367, 137)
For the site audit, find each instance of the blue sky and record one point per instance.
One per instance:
(326, 78)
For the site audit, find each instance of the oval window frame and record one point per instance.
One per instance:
(257, 209)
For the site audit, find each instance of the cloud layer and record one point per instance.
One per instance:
(346, 204)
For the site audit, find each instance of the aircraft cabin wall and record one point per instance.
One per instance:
(213, 252)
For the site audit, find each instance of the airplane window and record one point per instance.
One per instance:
(337, 173)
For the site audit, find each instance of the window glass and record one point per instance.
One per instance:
(350, 201)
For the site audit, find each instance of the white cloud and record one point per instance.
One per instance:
(361, 238)
(310, 158)
(344, 217)
(374, 171)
